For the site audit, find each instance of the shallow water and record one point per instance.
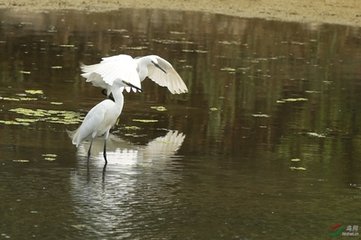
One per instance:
(266, 144)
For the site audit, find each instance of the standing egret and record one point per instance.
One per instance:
(101, 118)
(156, 68)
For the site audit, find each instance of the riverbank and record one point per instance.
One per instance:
(346, 12)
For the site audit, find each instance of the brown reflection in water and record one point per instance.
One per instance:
(254, 85)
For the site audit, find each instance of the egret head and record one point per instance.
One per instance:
(155, 62)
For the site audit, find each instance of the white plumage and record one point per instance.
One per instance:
(119, 68)
(100, 119)
(124, 67)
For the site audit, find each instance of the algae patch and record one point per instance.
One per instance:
(37, 115)
(34, 91)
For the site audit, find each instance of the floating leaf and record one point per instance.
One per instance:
(159, 108)
(177, 33)
(229, 42)
(14, 123)
(28, 112)
(134, 135)
(296, 99)
(297, 43)
(137, 48)
(145, 120)
(298, 168)
(292, 100)
(312, 91)
(9, 99)
(260, 115)
(67, 45)
(49, 156)
(193, 51)
(228, 69)
(121, 30)
(33, 91)
(56, 67)
(27, 99)
(21, 160)
(26, 120)
(318, 135)
(56, 103)
(132, 128)
(170, 41)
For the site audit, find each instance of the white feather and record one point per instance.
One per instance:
(125, 68)
(117, 68)
(170, 78)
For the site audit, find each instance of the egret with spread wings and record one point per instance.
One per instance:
(154, 67)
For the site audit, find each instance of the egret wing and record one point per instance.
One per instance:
(170, 79)
(116, 68)
(89, 72)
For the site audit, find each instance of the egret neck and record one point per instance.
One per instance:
(117, 92)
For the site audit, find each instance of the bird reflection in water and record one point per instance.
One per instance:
(124, 154)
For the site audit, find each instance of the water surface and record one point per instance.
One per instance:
(266, 144)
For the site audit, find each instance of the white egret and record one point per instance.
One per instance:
(154, 67)
(101, 118)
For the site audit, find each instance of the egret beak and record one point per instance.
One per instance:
(132, 86)
(157, 65)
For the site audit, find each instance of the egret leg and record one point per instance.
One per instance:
(105, 152)
(104, 170)
(89, 150)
